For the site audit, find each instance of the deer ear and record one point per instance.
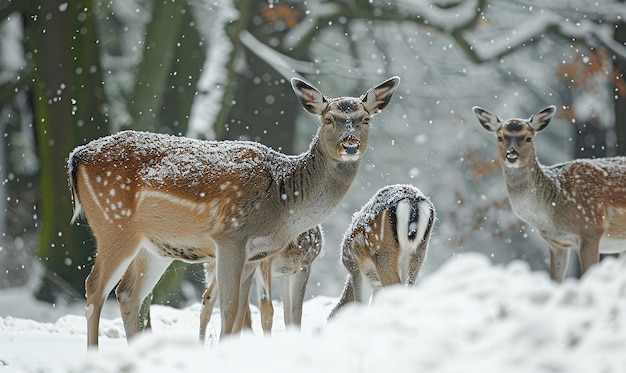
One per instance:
(488, 120)
(540, 121)
(310, 98)
(377, 98)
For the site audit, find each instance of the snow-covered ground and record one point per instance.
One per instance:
(468, 316)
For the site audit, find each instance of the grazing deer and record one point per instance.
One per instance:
(292, 266)
(386, 242)
(153, 198)
(578, 205)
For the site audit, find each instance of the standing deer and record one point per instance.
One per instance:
(386, 242)
(578, 205)
(153, 198)
(292, 266)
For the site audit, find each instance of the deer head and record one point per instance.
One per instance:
(515, 136)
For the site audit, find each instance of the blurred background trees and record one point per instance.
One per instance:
(71, 71)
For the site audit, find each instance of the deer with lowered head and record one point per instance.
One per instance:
(291, 266)
(386, 243)
(152, 198)
(578, 205)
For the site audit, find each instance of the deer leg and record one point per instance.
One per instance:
(243, 312)
(263, 276)
(347, 296)
(286, 291)
(230, 264)
(140, 278)
(295, 295)
(209, 298)
(108, 269)
(559, 258)
(589, 253)
(416, 262)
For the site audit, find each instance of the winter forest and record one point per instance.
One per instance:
(74, 71)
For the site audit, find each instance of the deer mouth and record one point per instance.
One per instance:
(350, 149)
(511, 155)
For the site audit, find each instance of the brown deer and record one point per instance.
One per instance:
(291, 266)
(578, 205)
(386, 243)
(152, 198)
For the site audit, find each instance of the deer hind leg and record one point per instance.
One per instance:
(347, 296)
(559, 258)
(140, 278)
(108, 269)
(209, 298)
(263, 278)
(416, 261)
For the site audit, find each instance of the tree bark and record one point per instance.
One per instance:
(68, 99)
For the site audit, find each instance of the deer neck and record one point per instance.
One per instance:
(531, 189)
(315, 184)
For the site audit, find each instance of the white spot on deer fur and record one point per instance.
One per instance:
(98, 179)
(201, 194)
(112, 192)
(108, 173)
(283, 197)
(224, 185)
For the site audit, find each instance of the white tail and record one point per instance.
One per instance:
(577, 205)
(386, 242)
(152, 198)
(292, 266)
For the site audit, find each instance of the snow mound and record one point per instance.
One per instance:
(469, 316)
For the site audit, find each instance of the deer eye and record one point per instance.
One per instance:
(529, 139)
(366, 121)
(500, 139)
(327, 120)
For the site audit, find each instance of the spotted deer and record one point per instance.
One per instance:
(291, 266)
(578, 205)
(153, 198)
(386, 243)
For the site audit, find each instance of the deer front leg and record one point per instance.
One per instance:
(589, 253)
(559, 258)
(230, 265)
(294, 295)
(244, 317)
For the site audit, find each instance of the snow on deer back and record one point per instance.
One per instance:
(152, 198)
(578, 205)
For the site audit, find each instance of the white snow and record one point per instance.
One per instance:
(468, 316)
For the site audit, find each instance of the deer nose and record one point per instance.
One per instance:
(350, 145)
(511, 155)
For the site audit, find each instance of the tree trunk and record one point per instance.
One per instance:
(68, 98)
(619, 84)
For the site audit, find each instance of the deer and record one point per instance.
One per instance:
(386, 242)
(292, 267)
(151, 198)
(576, 205)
